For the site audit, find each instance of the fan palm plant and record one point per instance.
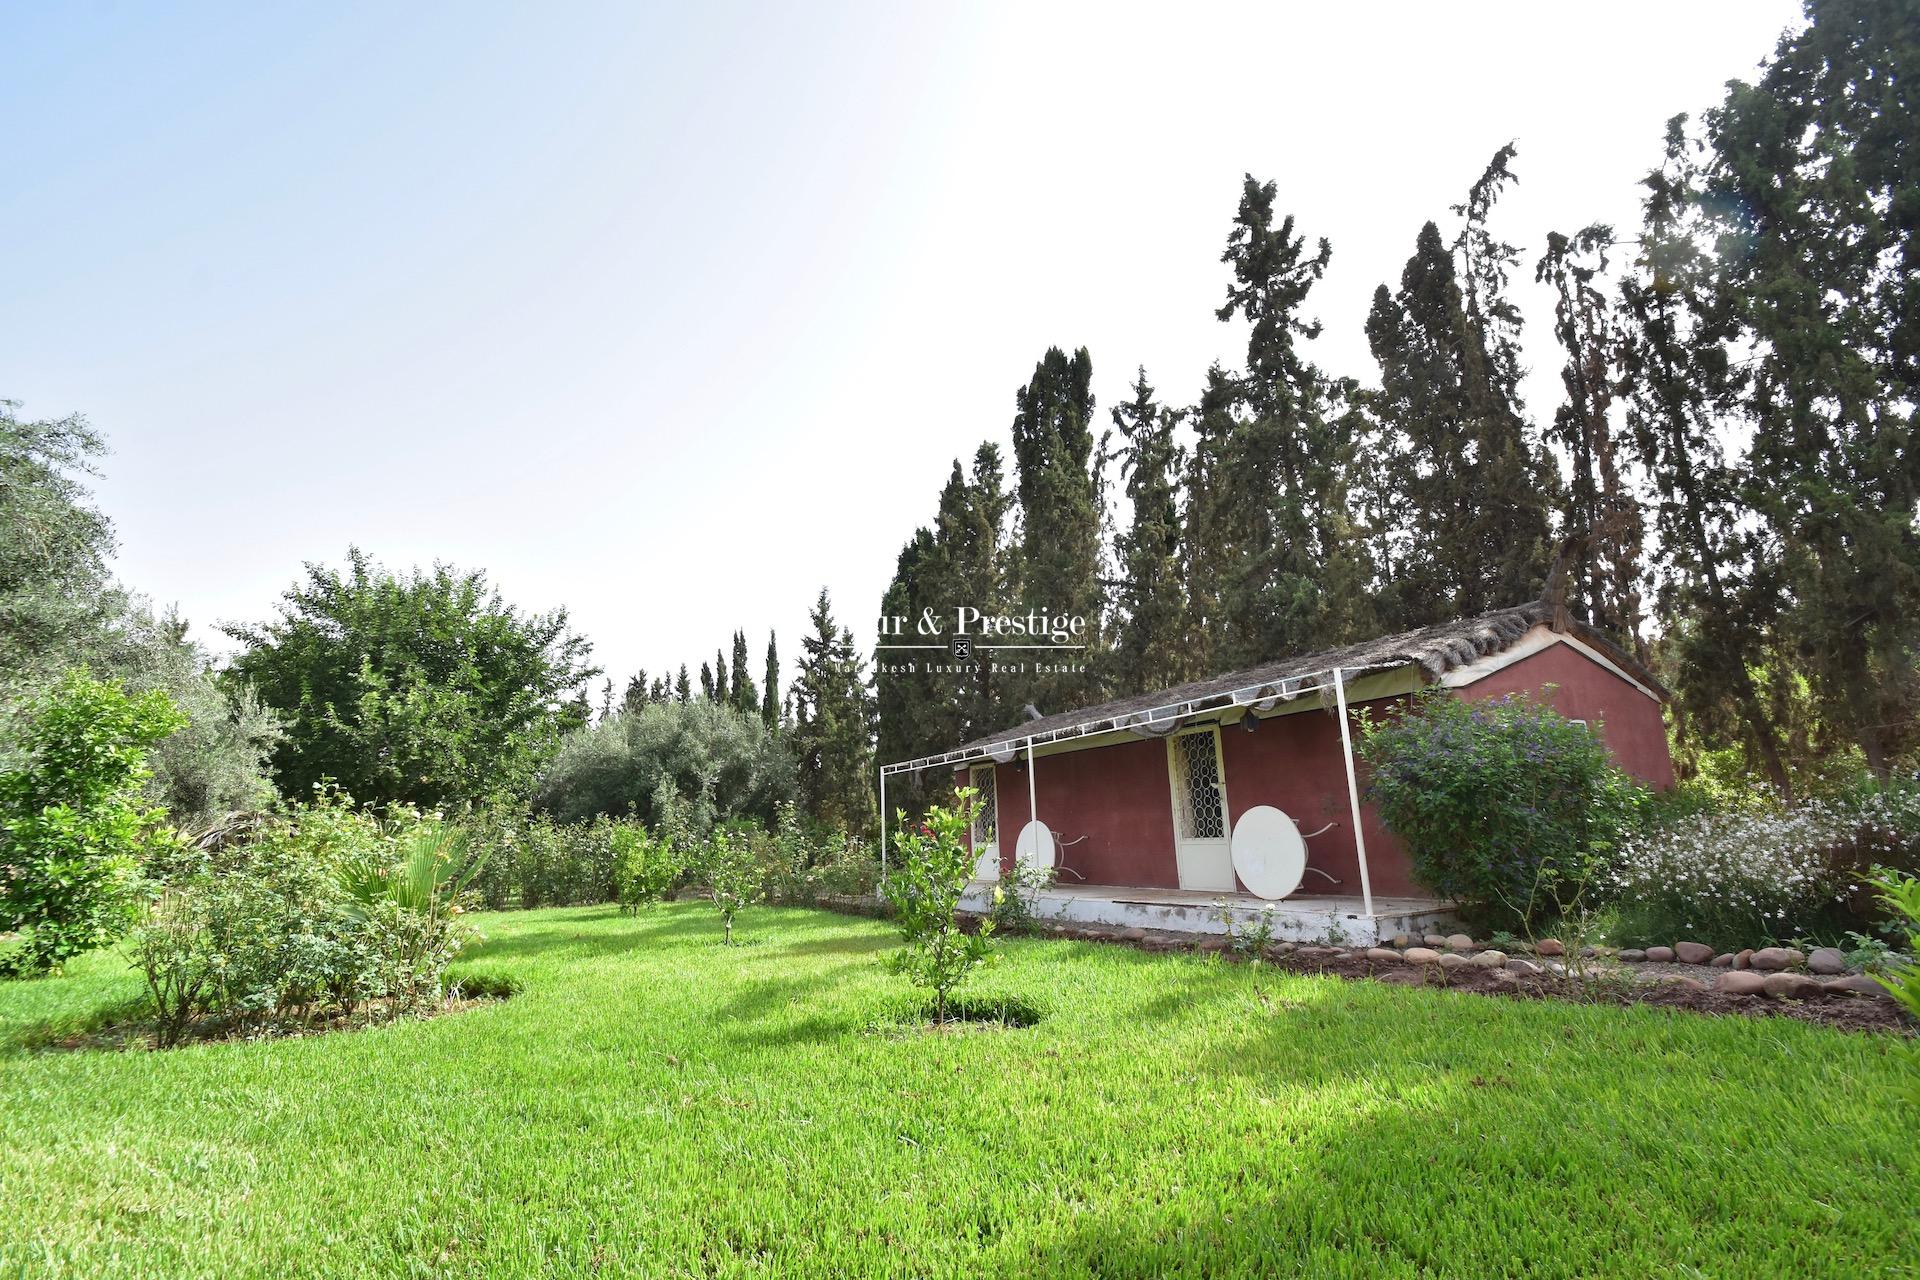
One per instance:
(411, 902)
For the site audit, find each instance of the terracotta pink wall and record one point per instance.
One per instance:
(1630, 722)
(1295, 763)
(1117, 797)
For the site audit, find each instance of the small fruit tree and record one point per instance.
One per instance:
(734, 877)
(935, 866)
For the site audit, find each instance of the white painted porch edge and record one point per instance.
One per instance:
(1304, 918)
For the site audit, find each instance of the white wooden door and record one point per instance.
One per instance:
(986, 824)
(1200, 836)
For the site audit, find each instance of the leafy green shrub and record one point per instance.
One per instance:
(803, 860)
(173, 952)
(536, 862)
(644, 867)
(74, 827)
(322, 911)
(935, 868)
(1742, 877)
(1015, 894)
(1505, 807)
(275, 913)
(844, 865)
(1901, 893)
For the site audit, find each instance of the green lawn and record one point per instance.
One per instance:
(653, 1103)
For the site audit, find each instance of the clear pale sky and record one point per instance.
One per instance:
(672, 316)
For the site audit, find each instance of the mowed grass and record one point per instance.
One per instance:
(653, 1103)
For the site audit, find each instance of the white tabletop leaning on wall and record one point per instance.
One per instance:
(1269, 854)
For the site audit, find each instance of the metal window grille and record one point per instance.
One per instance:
(1199, 777)
(986, 810)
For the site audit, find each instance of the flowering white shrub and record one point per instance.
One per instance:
(1743, 878)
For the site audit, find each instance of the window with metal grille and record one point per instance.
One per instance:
(986, 812)
(1197, 771)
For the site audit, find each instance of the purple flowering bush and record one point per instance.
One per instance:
(1505, 806)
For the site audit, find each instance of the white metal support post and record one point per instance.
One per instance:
(1353, 789)
(1033, 805)
(883, 827)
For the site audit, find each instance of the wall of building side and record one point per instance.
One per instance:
(1631, 723)
(1296, 764)
(1111, 806)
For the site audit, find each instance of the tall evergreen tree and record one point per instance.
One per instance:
(721, 693)
(1295, 575)
(1510, 526)
(706, 681)
(745, 698)
(1812, 179)
(1209, 550)
(965, 558)
(977, 564)
(637, 693)
(770, 692)
(1604, 581)
(1151, 647)
(1715, 595)
(832, 737)
(682, 687)
(1471, 489)
(1059, 563)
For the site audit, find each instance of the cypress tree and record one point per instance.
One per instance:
(1209, 543)
(975, 564)
(720, 693)
(1059, 561)
(637, 692)
(1509, 531)
(1467, 488)
(1604, 580)
(1152, 645)
(918, 711)
(706, 682)
(682, 689)
(1294, 575)
(746, 698)
(832, 736)
(770, 692)
(1417, 336)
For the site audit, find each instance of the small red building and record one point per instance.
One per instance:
(1148, 792)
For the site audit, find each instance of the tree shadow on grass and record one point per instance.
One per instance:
(764, 1012)
(854, 944)
(565, 939)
